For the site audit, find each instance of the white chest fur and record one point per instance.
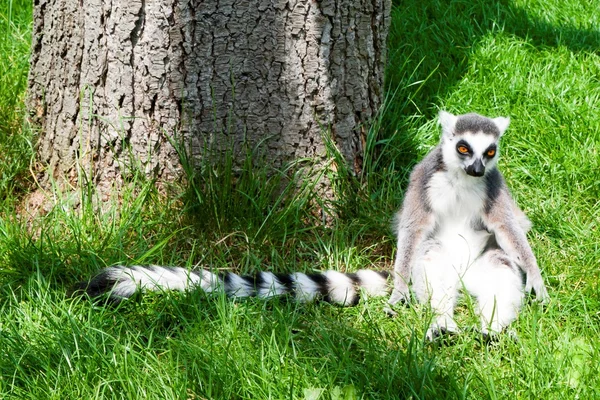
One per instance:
(458, 201)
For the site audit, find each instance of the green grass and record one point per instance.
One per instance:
(535, 61)
(15, 38)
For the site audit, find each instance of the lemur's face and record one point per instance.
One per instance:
(470, 141)
(475, 152)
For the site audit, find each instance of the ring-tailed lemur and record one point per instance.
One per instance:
(458, 228)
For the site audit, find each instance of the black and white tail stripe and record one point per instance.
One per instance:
(121, 282)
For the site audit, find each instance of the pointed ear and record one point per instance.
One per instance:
(448, 122)
(502, 124)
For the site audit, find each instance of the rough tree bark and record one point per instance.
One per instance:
(110, 78)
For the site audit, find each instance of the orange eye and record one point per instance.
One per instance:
(462, 149)
(491, 153)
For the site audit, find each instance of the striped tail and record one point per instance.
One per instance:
(121, 282)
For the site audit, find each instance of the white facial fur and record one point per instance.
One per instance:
(479, 144)
(477, 141)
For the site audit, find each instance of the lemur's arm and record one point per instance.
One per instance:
(508, 228)
(414, 222)
(410, 237)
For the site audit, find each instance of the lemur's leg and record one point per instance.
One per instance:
(496, 282)
(435, 281)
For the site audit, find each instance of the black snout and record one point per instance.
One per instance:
(476, 169)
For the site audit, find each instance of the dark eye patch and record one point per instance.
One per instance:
(463, 148)
(491, 151)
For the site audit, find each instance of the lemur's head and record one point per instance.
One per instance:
(470, 141)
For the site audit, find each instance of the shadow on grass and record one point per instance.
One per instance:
(435, 38)
(283, 346)
(429, 47)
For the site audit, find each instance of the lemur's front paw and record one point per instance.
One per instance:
(535, 283)
(400, 295)
(389, 312)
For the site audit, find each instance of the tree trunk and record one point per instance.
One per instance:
(113, 78)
